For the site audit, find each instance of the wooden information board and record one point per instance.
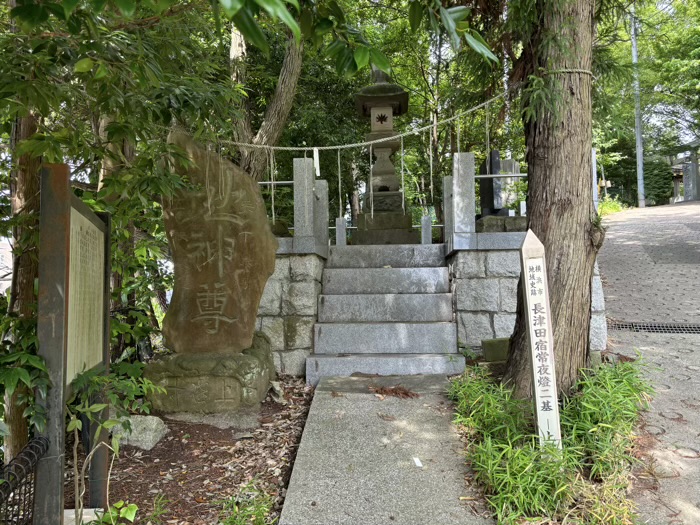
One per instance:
(73, 326)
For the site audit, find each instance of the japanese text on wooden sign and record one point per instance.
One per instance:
(540, 339)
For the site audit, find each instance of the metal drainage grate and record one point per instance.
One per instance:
(655, 328)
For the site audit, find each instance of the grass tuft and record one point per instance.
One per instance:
(610, 205)
(251, 506)
(584, 484)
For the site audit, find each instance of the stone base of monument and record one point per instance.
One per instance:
(213, 383)
(390, 224)
(499, 223)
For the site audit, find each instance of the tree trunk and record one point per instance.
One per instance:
(560, 201)
(24, 192)
(255, 161)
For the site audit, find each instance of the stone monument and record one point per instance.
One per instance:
(223, 253)
(384, 218)
(497, 193)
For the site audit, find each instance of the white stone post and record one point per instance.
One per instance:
(540, 339)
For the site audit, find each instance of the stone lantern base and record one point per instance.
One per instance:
(389, 225)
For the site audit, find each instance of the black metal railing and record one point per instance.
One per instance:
(17, 484)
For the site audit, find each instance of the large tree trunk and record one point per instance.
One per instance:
(255, 161)
(560, 202)
(24, 191)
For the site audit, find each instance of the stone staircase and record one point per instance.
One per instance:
(387, 310)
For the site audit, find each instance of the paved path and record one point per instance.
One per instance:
(380, 460)
(650, 264)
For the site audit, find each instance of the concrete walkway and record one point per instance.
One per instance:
(377, 460)
(650, 264)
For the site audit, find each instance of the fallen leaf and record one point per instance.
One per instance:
(393, 391)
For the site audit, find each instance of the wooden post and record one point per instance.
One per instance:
(540, 339)
(73, 326)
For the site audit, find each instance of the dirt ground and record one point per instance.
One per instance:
(197, 467)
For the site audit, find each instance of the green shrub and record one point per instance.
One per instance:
(610, 205)
(586, 481)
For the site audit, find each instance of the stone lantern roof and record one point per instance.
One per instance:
(383, 93)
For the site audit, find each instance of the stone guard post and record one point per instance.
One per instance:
(310, 211)
(459, 204)
(73, 326)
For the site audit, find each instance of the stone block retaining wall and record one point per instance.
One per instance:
(485, 288)
(288, 310)
(484, 284)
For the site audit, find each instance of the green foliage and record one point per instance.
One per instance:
(251, 506)
(121, 513)
(124, 389)
(658, 181)
(452, 20)
(610, 205)
(160, 503)
(599, 419)
(487, 408)
(586, 481)
(519, 188)
(20, 368)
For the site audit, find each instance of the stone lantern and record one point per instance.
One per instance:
(391, 223)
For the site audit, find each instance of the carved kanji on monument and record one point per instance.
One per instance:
(223, 252)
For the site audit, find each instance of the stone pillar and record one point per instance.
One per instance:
(487, 191)
(691, 179)
(426, 229)
(676, 190)
(448, 206)
(320, 216)
(304, 241)
(340, 232)
(463, 205)
(494, 193)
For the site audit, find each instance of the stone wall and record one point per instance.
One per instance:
(288, 310)
(485, 288)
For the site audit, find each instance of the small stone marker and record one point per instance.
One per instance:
(541, 341)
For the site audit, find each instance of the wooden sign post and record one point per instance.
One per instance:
(540, 339)
(73, 327)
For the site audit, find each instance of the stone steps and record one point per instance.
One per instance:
(318, 366)
(385, 310)
(338, 281)
(380, 256)
(379, 308)
(386, 236)
(385, 338)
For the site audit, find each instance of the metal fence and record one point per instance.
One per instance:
(17, 481)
